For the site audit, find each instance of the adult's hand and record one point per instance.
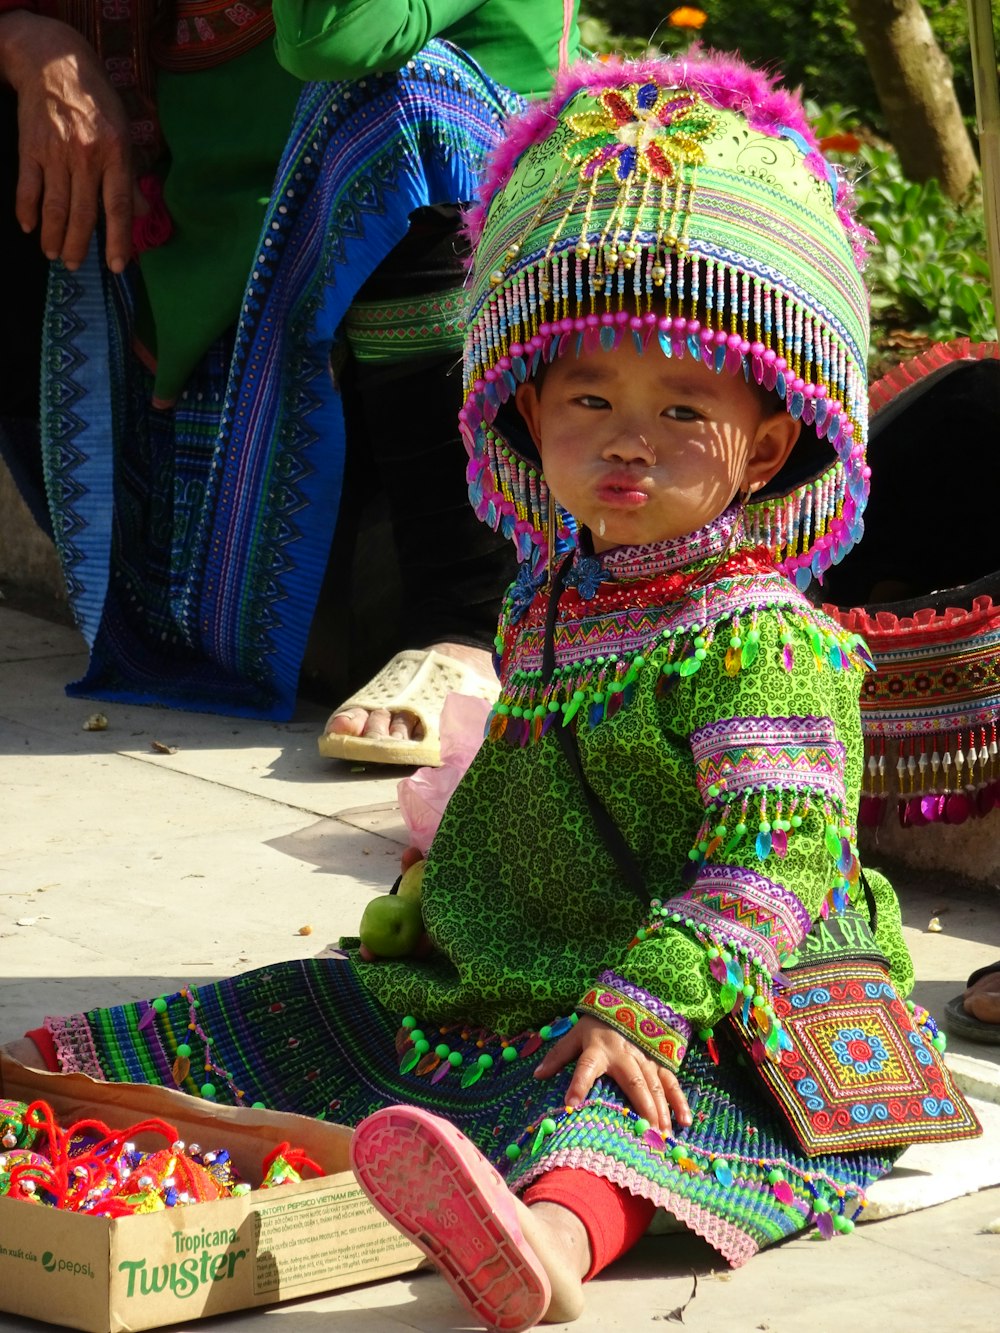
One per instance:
(73, 140)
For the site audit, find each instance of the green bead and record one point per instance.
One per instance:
(775, 1177)
(548, 1125)
(454, 1058)
(701, 654)
(513, 1152)
(416, 1035)
(641, 1126)
(509, 1053)
(208, 1090)
(409, 1021)
(442, 1052)
(545, 1032)
(486, 1060)
(677, 1152)
(258, 1106)
(184, 1050)
(423, 1045)
(160, 1005)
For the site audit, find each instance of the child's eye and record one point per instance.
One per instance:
(591, 400)
(682, 413)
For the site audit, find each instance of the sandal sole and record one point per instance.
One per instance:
(364, 750)
(437, 1189)
(960, 1024)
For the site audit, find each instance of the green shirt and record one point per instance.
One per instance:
(529, 911)
(225, 129)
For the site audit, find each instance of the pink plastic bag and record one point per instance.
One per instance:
(424, 795)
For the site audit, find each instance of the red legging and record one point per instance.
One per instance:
(613, 1218)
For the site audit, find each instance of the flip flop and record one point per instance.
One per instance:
(415, 681)
(435, 1187)
(962, 1024)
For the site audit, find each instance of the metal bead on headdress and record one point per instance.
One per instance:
(684, 204)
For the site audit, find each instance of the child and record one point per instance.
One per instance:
(665, 411)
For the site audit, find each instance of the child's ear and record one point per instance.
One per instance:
(775, 439)
(529, 404)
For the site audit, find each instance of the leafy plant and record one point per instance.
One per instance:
(928, 272)
(814, 45)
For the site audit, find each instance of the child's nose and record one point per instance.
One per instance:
(630, 445)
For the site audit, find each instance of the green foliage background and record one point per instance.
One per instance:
(812, 41)
(928, 274)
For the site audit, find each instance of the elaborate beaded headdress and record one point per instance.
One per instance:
(683, 203)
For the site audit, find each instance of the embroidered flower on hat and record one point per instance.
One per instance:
(655, 131)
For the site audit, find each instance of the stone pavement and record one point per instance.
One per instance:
(127, 869)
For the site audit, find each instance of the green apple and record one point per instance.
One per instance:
(412, 883)
(391, 926)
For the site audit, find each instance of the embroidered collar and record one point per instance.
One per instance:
(714, 540)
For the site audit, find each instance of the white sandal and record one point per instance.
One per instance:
(415, 681)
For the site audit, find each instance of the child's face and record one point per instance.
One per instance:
(642, 449)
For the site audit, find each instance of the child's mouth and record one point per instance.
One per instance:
(622, 494)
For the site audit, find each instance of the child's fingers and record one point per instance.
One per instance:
(565, 1051)
(652, 1091)
(676, 1100)
(589, 1068)
(645, 1094)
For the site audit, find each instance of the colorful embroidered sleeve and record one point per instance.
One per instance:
(776, 766)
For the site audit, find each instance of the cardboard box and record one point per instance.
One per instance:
(133, 1273)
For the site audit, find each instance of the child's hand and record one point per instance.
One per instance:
(651, 1090)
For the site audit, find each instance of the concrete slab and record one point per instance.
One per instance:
(138, 869)
(929, 1174)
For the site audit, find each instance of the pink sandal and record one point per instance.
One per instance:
(435, 1187)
